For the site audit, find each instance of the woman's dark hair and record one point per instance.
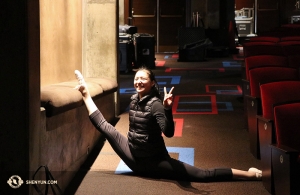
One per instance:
(155, 88)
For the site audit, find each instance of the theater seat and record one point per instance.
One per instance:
(294, 61)
(261, 48)
(264, 60)
(258, 76)
(290, 38)
(291, 50)
(286, 151)
(258, 61)
(265, 39)
(290, 47)
(271, 94)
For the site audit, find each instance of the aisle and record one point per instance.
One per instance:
(209, 131)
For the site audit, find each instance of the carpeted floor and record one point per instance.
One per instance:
(210, 132)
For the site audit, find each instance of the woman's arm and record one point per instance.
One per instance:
(164, 118)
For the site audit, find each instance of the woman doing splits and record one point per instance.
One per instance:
(144, 150)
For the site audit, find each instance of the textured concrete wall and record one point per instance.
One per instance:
(81, 35)
(78, 35)
(100, 21)
(100, 40)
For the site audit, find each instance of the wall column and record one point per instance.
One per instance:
(100, 39)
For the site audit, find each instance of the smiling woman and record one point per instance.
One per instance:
(145, 83)
(144, 150)
(142, 83)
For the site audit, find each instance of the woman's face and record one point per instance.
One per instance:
(142, 83)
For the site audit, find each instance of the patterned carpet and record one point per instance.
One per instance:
(208, 114)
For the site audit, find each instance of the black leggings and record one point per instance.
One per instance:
(165, 167)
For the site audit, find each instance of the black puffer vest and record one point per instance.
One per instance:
(144, 134)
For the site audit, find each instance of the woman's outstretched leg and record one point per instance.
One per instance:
(89, 103)
(174, 169)
(251, 174)
(118, 142)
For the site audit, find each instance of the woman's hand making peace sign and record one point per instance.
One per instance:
(168, 98)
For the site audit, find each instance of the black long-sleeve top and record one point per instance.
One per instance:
(148, 119)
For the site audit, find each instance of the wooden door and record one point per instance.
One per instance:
(144, 15)
(162, 18)
(268, 15)
(171, 18)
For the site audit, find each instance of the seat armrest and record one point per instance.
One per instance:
(285, 169)
(284, 149)
(252, 97)
(260, 117)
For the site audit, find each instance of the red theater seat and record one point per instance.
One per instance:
(291, 26)
(261, 48)
(290, 38)
(286, 151)
(290, 47)
(294, 61)
(258, 76)
(271, 94)
(262, 75)
(291, 50)
(265, 39)
(264, 60)
(258, 61)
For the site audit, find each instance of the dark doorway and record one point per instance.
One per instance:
(162, 18)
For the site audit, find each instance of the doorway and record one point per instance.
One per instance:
(266, 13)
(161, 18)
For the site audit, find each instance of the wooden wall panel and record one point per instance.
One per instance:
(61, 39)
